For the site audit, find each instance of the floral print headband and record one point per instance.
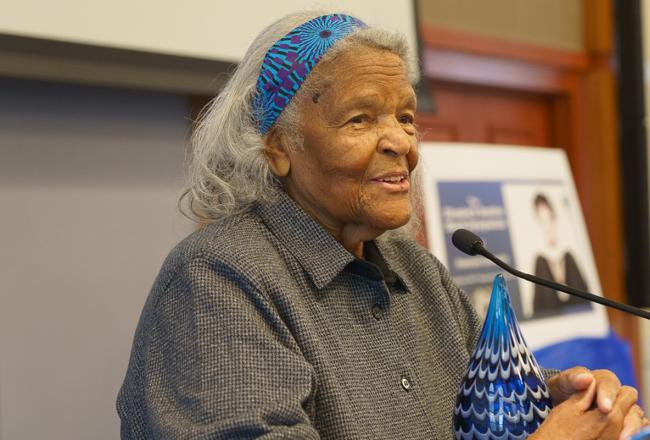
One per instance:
(289, 61)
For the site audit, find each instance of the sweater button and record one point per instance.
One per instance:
(406, 384)
(377, 312)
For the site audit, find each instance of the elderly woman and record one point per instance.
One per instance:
(299, 311)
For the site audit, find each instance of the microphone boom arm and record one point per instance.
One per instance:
(480, 249)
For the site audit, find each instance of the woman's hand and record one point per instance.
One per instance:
(577, 419)
(577, 379)
(635, 420)
(607, 386)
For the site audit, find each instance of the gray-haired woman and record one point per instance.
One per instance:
(298, 311)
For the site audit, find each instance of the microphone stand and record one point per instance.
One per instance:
(480, 249)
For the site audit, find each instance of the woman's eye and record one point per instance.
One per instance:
(359, 119)
(406, 119)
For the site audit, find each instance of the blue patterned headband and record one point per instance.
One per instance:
(289, 61)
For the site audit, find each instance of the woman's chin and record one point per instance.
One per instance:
(391, 219)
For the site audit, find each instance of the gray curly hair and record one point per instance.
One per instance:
(227, 170)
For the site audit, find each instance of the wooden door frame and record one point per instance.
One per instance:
(457, 57)
(581, 87)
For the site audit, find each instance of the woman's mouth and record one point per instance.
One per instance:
(397, 182)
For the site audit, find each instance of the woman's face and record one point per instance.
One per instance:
(359, 144)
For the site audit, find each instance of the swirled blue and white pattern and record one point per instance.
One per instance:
(503, 395)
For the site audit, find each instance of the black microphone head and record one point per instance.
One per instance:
(467, 241)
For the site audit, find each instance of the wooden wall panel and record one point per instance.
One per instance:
(550, 23)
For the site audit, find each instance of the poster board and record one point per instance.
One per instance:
(522, 201)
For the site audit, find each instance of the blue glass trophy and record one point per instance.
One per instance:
(503, 395)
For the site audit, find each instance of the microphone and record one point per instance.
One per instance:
(471, 244)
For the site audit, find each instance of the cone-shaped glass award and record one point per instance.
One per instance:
(503, 395)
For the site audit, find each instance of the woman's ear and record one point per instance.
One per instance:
(276, 152)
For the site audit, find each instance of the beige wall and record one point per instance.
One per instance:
(552, 23)
(212, 29)
(88, 184)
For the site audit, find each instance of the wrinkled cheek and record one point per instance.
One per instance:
(345, 197)
(413, 156)
(368, 204)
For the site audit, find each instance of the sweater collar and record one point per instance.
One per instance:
(320, 255)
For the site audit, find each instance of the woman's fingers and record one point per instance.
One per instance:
(585, 398)
(626, 399)
(633, 422)
(607, 389)
(569, 382)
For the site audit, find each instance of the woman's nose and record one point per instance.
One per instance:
(393, 140)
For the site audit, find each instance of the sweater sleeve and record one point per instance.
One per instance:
(214, 360)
